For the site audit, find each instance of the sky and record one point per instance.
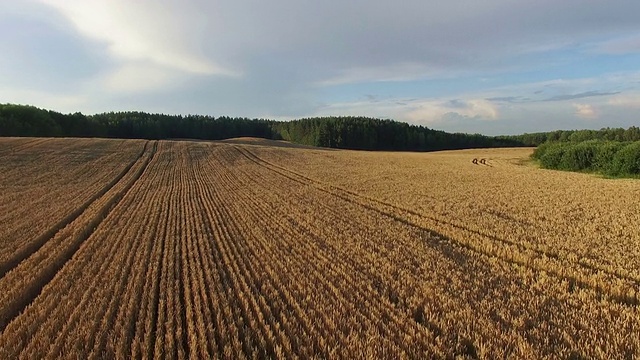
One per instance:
(491, 67)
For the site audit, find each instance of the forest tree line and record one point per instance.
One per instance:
(21, 120)
(575, 136)
(360, 133)
(350, 132)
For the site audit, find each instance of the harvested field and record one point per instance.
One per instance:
(255, 249)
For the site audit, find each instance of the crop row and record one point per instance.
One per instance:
(208, 250)
(58, 179)
(515, 266)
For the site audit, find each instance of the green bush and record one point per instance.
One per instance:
(552, 156)
(541, 150)
(603, 160)
(579, 156)
(613, 158)
(626, 161)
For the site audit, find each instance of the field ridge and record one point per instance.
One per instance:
(32, 246)
(19, 287)
(231, 250)
(591, 277)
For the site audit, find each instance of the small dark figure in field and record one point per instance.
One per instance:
(481, 161)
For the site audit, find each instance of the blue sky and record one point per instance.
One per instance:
(493, 66)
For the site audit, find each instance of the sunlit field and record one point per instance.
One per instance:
(252, 248)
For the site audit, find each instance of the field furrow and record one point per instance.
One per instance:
(249, 250)
(567, 287)
(23, 283)
(614, 286)
(56, 197)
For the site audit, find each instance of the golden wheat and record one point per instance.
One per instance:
(260, 249)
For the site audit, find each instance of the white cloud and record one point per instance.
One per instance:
(60, 102)
(407, 71)
(585, 111)
(620, 46)
(141, 30)
(284, 57)
(625, 101)
(417, 111)
(141, 77)
(428, 112)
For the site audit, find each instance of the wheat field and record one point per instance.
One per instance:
(253, 249)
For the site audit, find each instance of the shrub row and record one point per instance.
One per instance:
(612, 158)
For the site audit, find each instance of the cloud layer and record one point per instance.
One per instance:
(495, 66)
